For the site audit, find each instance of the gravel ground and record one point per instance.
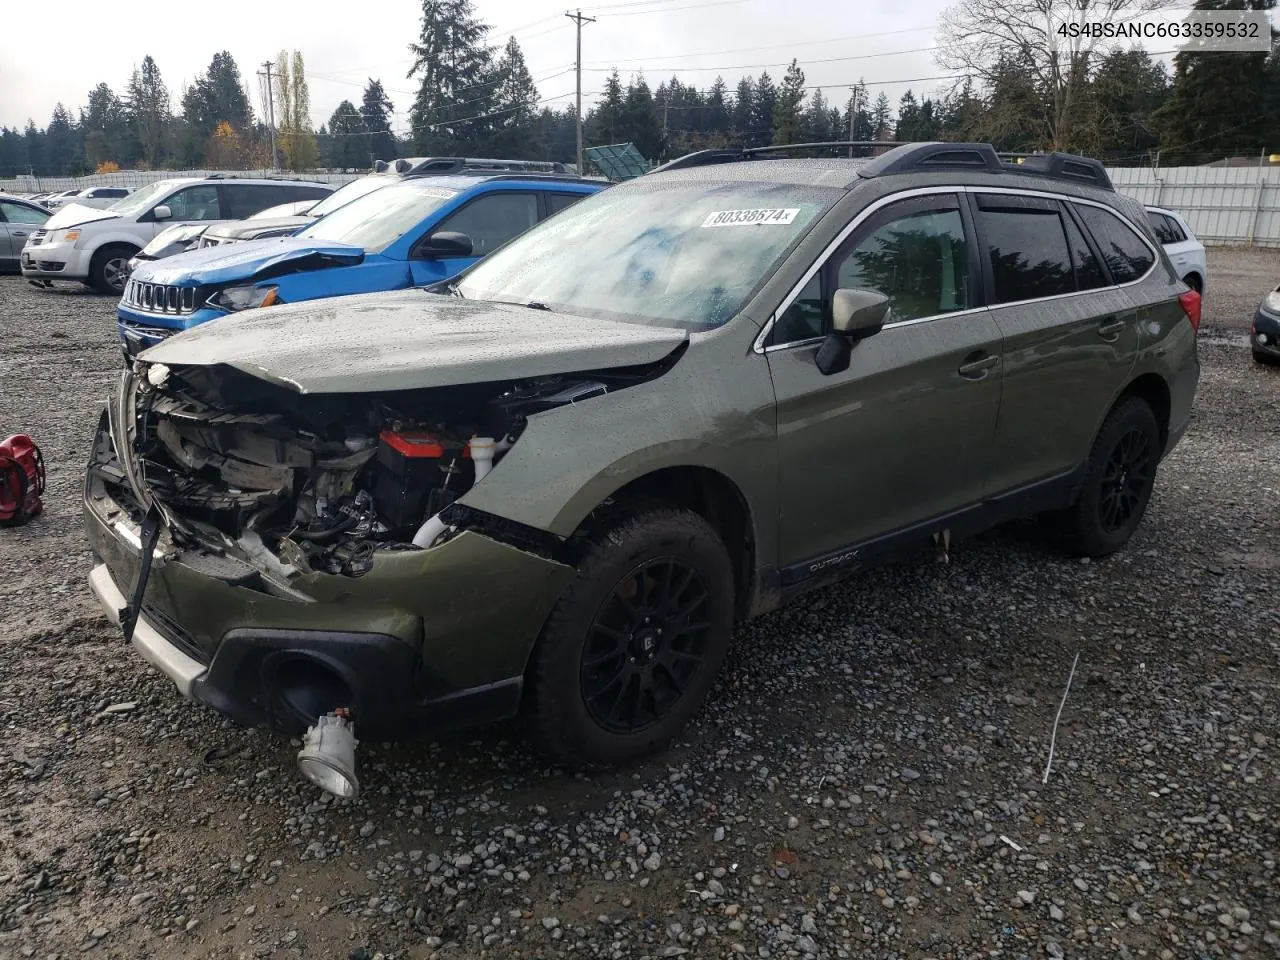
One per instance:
(866, 781)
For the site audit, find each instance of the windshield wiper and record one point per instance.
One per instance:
(537, 305)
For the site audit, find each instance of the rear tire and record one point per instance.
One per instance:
(107, 269)
(1118, 480)
(635, 642)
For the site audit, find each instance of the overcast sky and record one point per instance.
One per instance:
(883, 41)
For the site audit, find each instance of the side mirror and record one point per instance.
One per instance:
(855, 315)
(447, 243)
(162, 212)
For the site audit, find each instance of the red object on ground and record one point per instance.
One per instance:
(21, 480)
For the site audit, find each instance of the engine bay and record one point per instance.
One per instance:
(322, 483)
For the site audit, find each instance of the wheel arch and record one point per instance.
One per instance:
(1194, 280)
(1152, 389)
(716, 498)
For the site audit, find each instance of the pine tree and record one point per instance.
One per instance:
(604, 125)
(640, 123)
(147, 108)
(786, 107)
(348, 138)
(376, 111)
(908, 118)
(61, 142)
(453, 61)
(718, 120)
(35, 147)
(514, 103)
(766, 95)
(1218, 103)
(816, 121)
(744, 109)
(882, 118)
(102, 125)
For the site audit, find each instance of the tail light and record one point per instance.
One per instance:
(1191, 307)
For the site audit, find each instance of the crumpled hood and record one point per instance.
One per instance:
(214, 266)
(241, 229)
(410, 340)
(74, 214)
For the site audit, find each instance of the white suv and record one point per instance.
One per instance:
(97, 197)
(1186, 252)
(94, 246)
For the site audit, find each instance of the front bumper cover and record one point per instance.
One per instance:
(1268, 325)
(428, 640)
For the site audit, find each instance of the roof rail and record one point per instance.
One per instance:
(418, 165)
(1065, 166)
(922, 158)
(702, 158)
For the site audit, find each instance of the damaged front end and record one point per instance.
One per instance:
(296, 484)
(309, 555)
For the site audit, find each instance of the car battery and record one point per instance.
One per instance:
(415, 476)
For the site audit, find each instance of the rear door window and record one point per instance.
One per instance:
(1127, 255)
(492, 220)
(1176, 233)
(246, 199)
(1089, 275)
(1025, 244)
(561, 201)
(1160, 226)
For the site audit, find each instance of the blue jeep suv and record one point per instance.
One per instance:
(419, 231)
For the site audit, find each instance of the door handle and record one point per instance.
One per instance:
(1109, 329)
(17, 233)
(977, 368)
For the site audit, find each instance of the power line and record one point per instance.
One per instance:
(787, 63)
(775, 46)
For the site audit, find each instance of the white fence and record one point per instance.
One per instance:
(1224, 205)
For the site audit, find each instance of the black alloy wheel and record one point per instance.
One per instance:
(647, 641)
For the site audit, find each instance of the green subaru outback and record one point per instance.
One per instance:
(558, 482)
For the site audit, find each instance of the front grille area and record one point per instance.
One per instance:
(161, 298)
(51, 266)
(37, 238)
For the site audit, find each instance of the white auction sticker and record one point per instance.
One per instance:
(750, 218)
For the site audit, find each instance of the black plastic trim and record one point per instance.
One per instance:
(392, 694)
(1048, 494)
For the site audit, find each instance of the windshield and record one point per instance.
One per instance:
(142, 199)
(348, 192)
(671, 254)
(379, 219)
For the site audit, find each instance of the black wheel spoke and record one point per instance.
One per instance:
(644, 647)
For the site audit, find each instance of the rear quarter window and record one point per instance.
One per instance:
(1126, 254)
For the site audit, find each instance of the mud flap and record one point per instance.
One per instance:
(149, 534)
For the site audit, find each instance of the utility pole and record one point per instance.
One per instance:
(271, 109)
(855, 99)
(579, 19)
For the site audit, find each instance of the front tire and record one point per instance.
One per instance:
(1118, 481)
(635, 642)
(107, 269)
